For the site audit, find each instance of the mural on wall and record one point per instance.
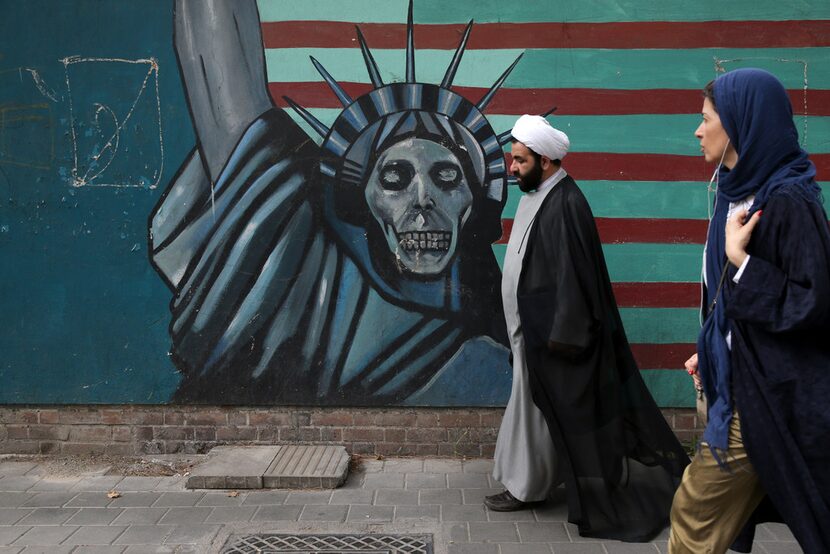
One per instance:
(173, 229)
(357, 272)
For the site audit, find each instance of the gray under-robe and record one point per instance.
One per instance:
(525, 461)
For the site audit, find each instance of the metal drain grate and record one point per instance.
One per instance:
(329, 544)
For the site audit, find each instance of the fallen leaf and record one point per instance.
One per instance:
(113, 494)
(233, 494)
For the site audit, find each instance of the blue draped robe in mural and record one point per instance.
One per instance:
(269, 308)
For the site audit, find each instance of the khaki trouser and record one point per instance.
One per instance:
(711, 506)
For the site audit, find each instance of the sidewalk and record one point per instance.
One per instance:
(41, 513)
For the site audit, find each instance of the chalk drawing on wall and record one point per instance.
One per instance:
(116, 132)
(358, 272)
(801, 66)
(27, 137)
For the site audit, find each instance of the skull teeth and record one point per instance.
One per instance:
(425, 240)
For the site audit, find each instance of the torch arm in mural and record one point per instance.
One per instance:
(356, 272)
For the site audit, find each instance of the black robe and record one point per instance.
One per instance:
(622, 461)
(779, 315)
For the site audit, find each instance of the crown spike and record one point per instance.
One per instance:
(371, 65)
(410, 46)
(315, 123)
(496, 86)
(456, 59)
(344, 98)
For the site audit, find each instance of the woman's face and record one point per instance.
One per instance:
(714, 142)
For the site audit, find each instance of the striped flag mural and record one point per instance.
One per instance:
(626, 79)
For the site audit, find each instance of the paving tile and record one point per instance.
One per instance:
(472, 548)
(152, 549)
(10, 516)
(261, 498)
(94, 516)
(99, 483)
(371, 514)
(8, 468)
(48, 516)
(521, 548)
(396, 497)
(463, 513)
(11, 549)
(96, 534)
(324, 513)
(442, 466)
(426, 480)
(308, 498)
(780, 547)
(145, 534)
(370, 466)
(185, 516)
(467, 481)
(440, 496)
(49, 499)
(18, 483)
(231, 514)
(55, 484)
(578, 548)
(45, 535)
(418, 513)
(277, 513)
(476, 496)
(477, 466)
(493, 532)
(138, 483)
(780, 531)
(99, 550)
(383, 481)
(9, 534)
(518, 515)
(616, 547)
(89, 500)
(52, 549)
(403, 466)
(135, 499)
(542, 532)
(192, 534)
(139, 516)
(179, 499)
(222, 499)
(171, 484)
(459, 532)
(352, 496)
(14, 499)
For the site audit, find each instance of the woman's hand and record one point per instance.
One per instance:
(691, 369)
(738, 234)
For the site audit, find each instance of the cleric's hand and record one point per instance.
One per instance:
(738, 234)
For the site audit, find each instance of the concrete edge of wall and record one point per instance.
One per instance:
(170, 429)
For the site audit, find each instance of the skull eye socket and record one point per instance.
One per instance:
(446, 175)
(396, 175)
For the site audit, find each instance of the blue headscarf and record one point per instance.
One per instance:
(757, 116)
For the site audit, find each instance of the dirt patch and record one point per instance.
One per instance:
(100, 464)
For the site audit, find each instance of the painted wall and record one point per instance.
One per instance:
(109, 219)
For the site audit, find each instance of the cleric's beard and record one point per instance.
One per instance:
(532, 180)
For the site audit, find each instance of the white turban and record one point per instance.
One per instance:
(537, 134)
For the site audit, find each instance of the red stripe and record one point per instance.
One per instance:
(657, 295)
(662, 356)
(602, 166)
(569, 101)
(485, 36)
(616, 230)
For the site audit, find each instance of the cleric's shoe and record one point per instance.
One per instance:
(504, 502)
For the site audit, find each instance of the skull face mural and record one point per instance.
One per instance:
(419, 195)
